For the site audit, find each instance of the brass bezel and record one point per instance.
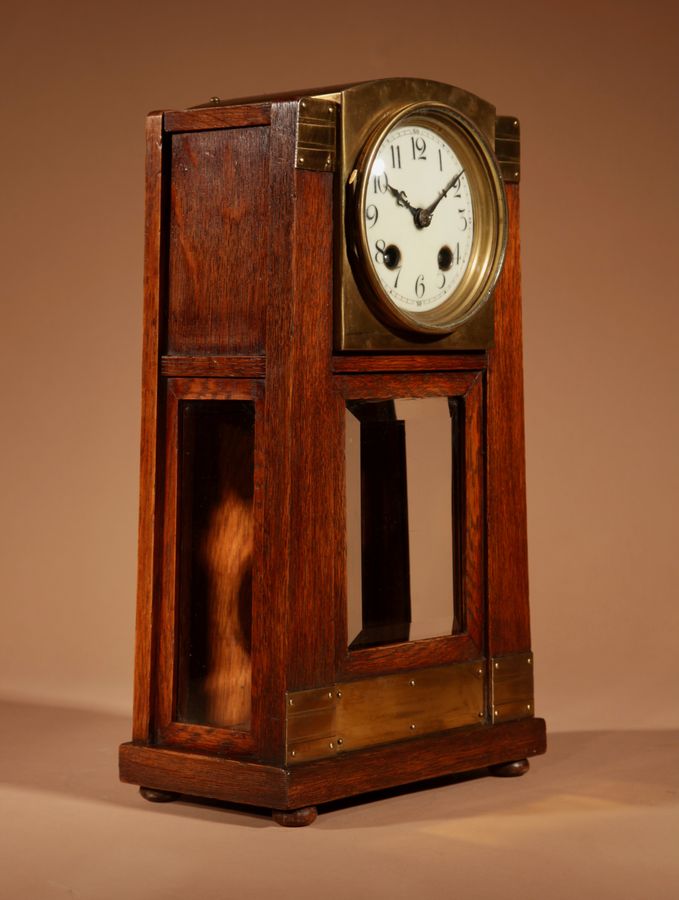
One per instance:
(490, 215)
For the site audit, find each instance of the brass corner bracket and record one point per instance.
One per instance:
(511, 687)
(508, 147)
(316, 139)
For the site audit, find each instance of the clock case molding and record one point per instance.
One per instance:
(248, 295)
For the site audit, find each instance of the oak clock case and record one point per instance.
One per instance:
(332, 592)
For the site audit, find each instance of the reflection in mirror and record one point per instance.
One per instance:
(404, 474)
(216, 522)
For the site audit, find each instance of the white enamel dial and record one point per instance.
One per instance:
(419, 218)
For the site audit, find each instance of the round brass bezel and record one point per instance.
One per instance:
(490, 220)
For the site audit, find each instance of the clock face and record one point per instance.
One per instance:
(419, 217)
(429, 220)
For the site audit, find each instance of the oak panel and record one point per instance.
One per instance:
(220, 261)
(217, 117)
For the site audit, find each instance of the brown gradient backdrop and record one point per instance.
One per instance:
(595, 87)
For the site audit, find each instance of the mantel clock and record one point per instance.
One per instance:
(333, 592)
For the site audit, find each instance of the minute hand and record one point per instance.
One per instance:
(424, 216)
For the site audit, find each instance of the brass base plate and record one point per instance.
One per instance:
(353, 715)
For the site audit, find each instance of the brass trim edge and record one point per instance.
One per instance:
(316, 139)
(508, 147)
(353, 715)
(511, 687)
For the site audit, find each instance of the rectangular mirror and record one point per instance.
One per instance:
(405, 506)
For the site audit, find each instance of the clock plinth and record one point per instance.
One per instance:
(333, 586)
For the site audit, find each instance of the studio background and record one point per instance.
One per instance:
(595, 85)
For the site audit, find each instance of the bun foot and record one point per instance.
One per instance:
(156, 796)
(510, 769)
(294, 818)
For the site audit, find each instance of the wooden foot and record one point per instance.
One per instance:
(510, 769)
(294, 818)
(155, 796)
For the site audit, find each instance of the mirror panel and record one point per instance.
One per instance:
(405, 500)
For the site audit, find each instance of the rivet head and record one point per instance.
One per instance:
(495, 712)
(329, 109)
(412, 682)
(480, 715)
(293, 753)
(339, 695)
(340, 741)
(331, 745)
(412, 726)
(527, 705)
(497, 665)
(291, 702)
(301, 159)
(303, 104)
(329, 695)
(479, 671)
(215, 100)
(529, 660)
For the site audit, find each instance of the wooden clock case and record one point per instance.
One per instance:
(250, 300)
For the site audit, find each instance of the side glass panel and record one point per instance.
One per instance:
(405, 503)
(216, 516)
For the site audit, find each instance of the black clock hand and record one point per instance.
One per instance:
(424, 216)
(401, 198)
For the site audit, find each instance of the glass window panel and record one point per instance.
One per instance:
(404, 473)
(216, 478)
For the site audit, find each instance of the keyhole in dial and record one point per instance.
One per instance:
(392, 256)
(445, 258)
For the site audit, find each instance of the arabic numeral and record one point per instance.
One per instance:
(380, 183)
(440, 161)
(380, 247)
(372, 214)
(442, 276)
(464, 222)
(419, 286)
(419, 147)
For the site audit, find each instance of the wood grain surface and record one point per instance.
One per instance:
(238, 306)
(508, 615)
(217, 117)
(212, 776)
(219, 250)
(149, 489)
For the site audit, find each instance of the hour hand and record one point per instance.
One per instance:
(401, 198)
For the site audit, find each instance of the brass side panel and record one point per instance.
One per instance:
(508, 147)
(511, 687)
(357, 714)
(316, 135)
